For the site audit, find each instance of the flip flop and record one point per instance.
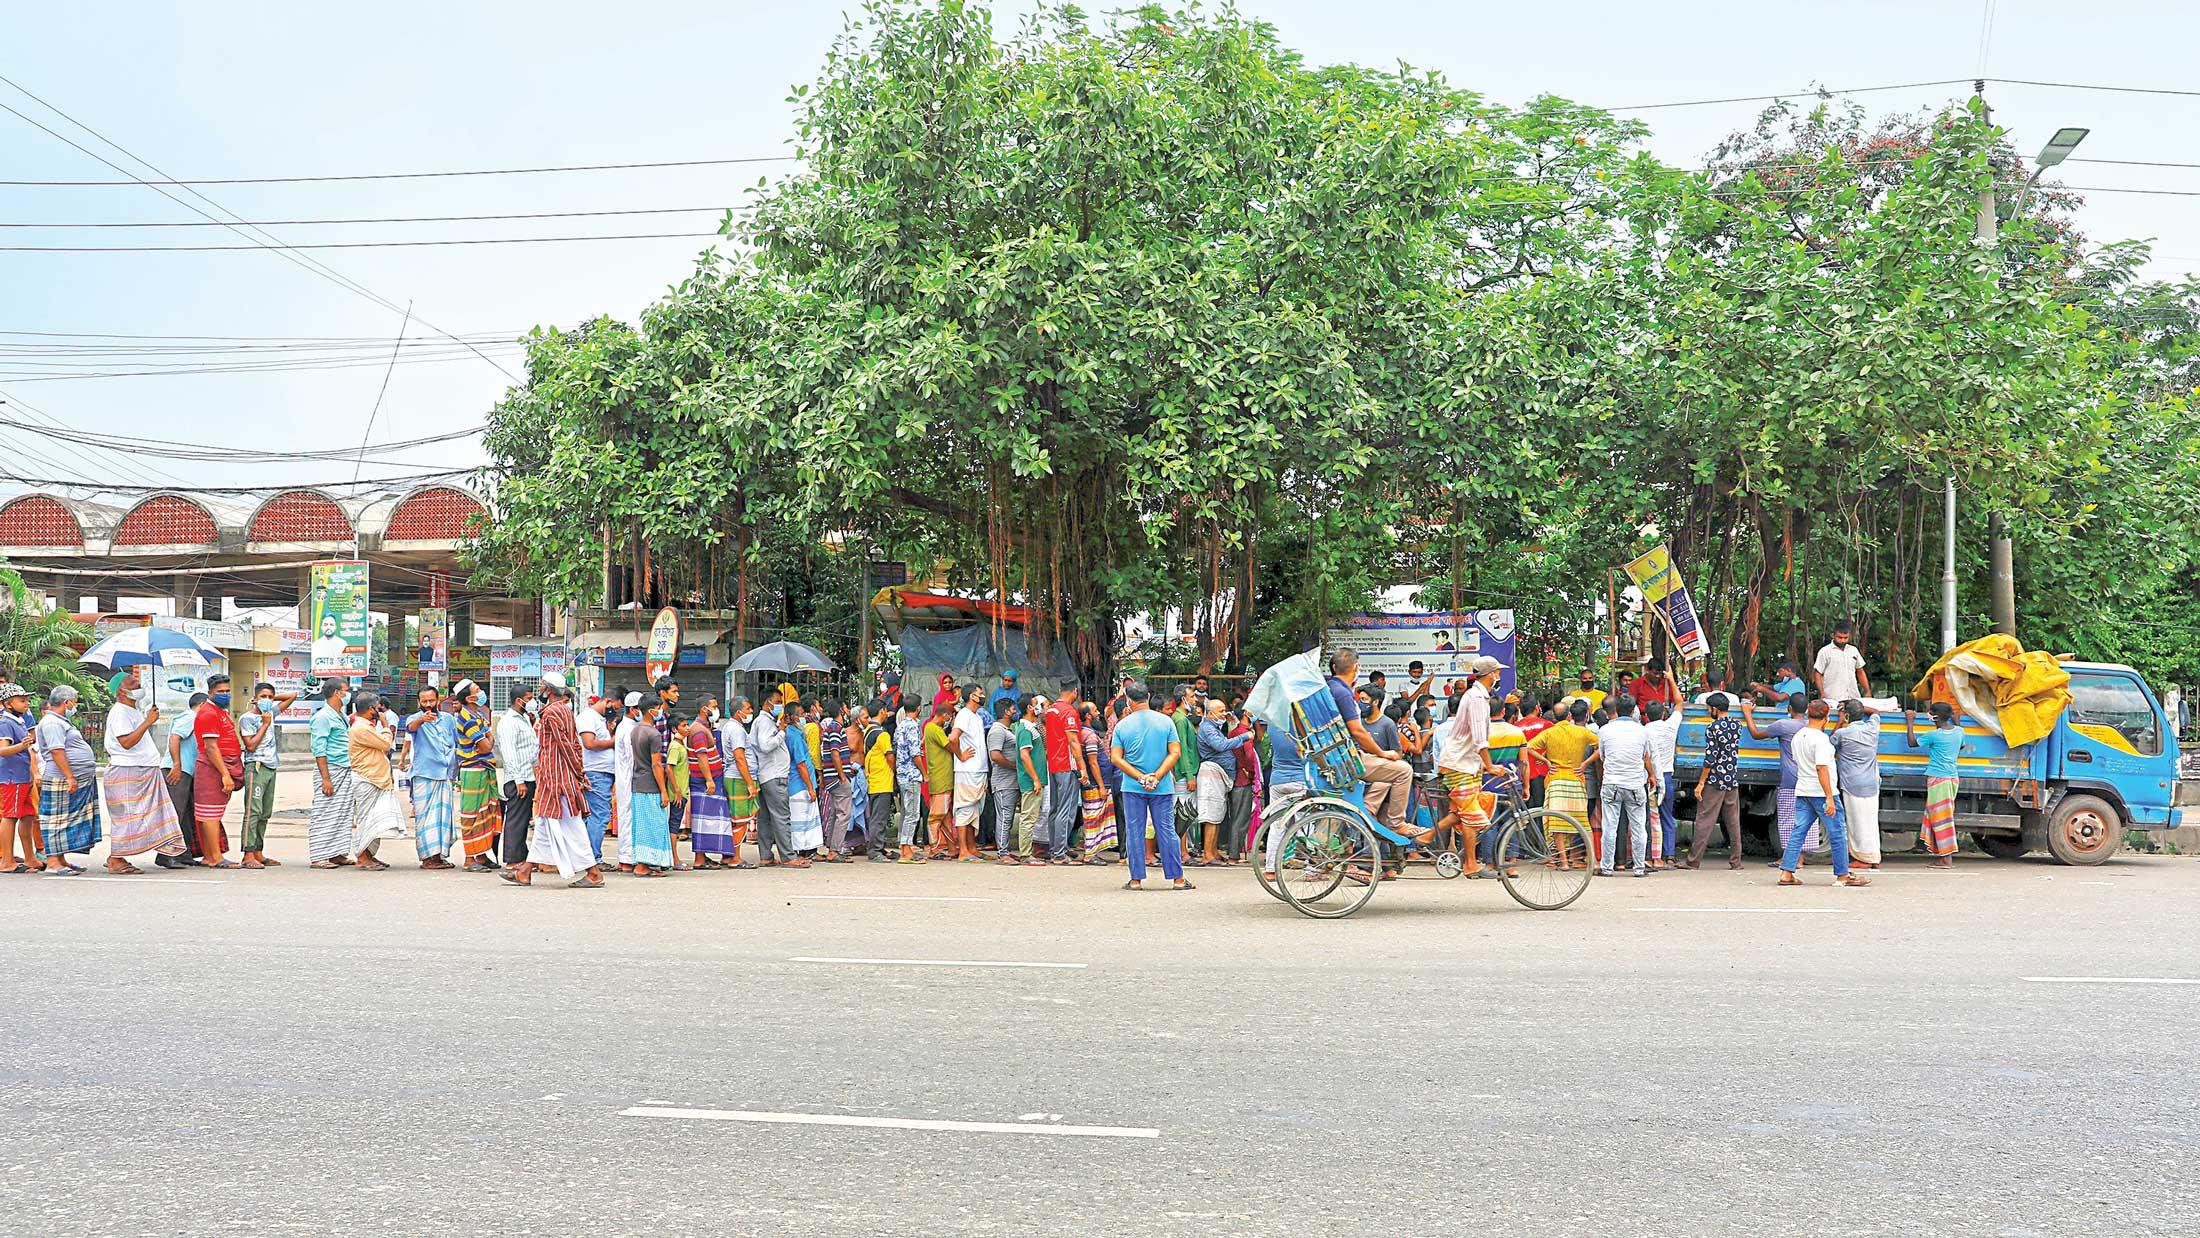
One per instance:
(512, 878)
(17, 871)
(57, 872)
(226, 864)
(1134, 887)
(1186, 886)
(583, 883)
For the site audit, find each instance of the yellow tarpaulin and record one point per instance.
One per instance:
(1994, 680)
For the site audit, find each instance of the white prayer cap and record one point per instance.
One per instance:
(633, 700)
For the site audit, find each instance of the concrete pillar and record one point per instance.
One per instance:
(185, 591)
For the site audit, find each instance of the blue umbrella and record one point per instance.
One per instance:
(149, 646)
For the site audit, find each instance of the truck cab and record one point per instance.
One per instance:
(2109, 765)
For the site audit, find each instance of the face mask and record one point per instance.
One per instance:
(534, 708)
(221, 700)
(69, 710)
(266, 706)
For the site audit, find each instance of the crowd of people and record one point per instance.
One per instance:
(1177, 779)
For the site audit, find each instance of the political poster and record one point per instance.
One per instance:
(664, 644)
(435, 638)
(1444, 642)
(342, 629)
(1665, 593)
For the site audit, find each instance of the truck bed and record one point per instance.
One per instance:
(1987, 766)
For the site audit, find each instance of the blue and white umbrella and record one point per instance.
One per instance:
(149, 646)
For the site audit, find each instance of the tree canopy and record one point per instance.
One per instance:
(1144, 313)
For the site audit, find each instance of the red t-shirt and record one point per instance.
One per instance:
(1531, 765)
(1643, 689)
(212, 725)
(1062, 726)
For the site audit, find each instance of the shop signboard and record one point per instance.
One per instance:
(342, 629)
(664, 644)
(1443, 642)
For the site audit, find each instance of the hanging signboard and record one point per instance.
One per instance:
(1664, 592)
(664, 644)
(435, 638)
(342, 629)
(1443, 643)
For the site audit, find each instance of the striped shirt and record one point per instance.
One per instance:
(560, 790)
(475, 751)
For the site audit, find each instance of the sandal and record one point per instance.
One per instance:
(1134, 887)
(127, 870)
(324, 864)
(1183, 885)
(226, 864)
(512, 878)
(17, 871)
(1790, 879)
(583, 883)
(371, 866)
(1853, 880)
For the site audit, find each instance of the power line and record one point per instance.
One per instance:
(376, 341)
(404, 176)
(409, 481)
(263, 367)
(325, 271)
(395, 219)
(179, 449)
(2135, 163)
(204, 249)
(1815, 90)
(2121, 90)
(123, 461)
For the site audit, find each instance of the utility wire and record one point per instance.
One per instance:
(203, 249)
(405, 176)
(2121, 90)
(327, 272)
(193, 451)
(1792, 94)
(395, 219)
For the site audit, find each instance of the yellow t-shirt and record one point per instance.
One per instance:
(1595, 697)
(1565, 746)
(878, 763)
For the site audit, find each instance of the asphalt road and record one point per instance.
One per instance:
(416, 1053)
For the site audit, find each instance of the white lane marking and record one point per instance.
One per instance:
(895, 1124)
(2110, 980)
(1751, 911)
(158, 881)
(813, 958)
(887, 898)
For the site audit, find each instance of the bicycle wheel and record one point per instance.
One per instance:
(1259, 854)
(1330, 861)
(1544, 859)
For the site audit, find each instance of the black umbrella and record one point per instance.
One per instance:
(786, 657)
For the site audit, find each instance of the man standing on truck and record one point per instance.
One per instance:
(1838, 671)
(1942, 745)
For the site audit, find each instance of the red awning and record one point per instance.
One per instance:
(915, 606)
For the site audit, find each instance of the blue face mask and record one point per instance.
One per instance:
(267, 706)
(221, 700)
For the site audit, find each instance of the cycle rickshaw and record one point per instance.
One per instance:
(1325, 853)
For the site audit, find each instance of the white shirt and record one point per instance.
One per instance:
(1469, 734)
(1813, 751)
(622, 750)
(121, 720)
(972, 730)
(768, 759)
(1665, 737)
(517, 748)
(1623, 741)
(594, 760)
(1838, 667)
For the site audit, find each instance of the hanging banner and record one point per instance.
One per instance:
(664, 644)
(342, 629)
(1394, 643)
(435, 638)
(1664, 592)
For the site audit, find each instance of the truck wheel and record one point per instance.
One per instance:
(2084, 829)
(2001, 846)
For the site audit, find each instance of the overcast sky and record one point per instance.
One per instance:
(283, 89)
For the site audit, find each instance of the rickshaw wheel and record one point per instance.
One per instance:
(1544, 859)
(1330, 863)
(1449, 865)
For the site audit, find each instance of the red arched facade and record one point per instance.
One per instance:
(166, 520)
(299, 516)
(39, 520)
(433, 514)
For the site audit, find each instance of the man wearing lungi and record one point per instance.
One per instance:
(562, 838)
(140, 816)
(328, 838)
(433, 763)
(479, 814)
(68, 788)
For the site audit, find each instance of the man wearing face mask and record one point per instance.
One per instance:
(262, 758)
(18, 784)
(328, 838)
(220, 770)
(516, 748)
(598, 762)
(68, 791)
(479, 813)
(433, 762)
(140, 816)
(742, 789)
(767, 754)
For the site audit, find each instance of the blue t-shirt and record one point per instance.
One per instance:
(1784, 730)
(435, 747)
(1788, 686)
(15, 770)
(1942, 746)
(1285, 764)
(186, 728)
(1143, 737)
(1348, 705)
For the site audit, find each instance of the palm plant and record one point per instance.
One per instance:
(38, 646)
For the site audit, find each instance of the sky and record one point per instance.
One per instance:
(281, 89)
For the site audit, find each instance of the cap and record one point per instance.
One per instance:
(459, 689)
(1485, 664)
(633, 700)
(9, 691)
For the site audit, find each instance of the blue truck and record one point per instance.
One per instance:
(2110, 765)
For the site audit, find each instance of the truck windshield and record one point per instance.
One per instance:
(2119, 704)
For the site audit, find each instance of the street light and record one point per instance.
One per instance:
(2058, 148)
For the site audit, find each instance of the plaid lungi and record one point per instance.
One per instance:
(710, 825)
(69, 820)
(329, 836)
(1099, 813)
(141, 812)
(480, 816)
(1566, 793)
(435, 816)
(1938, 825)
